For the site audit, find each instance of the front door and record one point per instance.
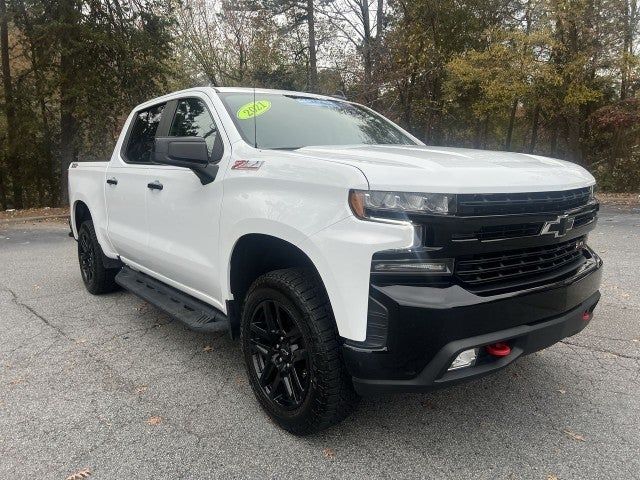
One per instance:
(183, 215)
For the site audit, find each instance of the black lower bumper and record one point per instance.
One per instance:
(428, 327)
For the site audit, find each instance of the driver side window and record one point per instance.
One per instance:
(192, 119)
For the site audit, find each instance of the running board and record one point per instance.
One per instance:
(194, 313)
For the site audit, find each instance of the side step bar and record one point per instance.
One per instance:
(194, 313)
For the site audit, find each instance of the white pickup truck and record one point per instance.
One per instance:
(347, 256)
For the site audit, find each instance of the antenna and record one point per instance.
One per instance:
(255, 123)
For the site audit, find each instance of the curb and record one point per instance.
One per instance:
(32, 219)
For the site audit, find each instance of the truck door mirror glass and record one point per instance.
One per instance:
(186, 152)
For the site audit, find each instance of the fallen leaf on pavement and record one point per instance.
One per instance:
(562, 391)
(80, 474)
(154, 420)
(552, 477)
(141, 389)
(429, 404)
(208, 348)
(573, 435)
(329, 453)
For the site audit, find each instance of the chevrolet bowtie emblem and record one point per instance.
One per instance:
(558, 227)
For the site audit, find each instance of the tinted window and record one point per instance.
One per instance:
(192, 119)
(142, 134)
(294, 121)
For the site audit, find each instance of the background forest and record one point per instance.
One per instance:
(551, 77)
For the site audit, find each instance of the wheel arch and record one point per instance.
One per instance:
(255, 254)
(79, 214)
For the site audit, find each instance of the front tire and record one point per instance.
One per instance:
(292, 353)
(97, 279)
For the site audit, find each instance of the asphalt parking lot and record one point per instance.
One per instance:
(110, 384)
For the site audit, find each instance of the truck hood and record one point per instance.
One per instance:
(454, 170)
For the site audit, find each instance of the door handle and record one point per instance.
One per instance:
(155, 185)
(112, 181)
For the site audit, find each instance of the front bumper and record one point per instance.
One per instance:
(427, 327)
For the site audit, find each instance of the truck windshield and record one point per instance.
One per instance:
(296, 121)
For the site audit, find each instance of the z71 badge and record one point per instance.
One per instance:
(247, 164)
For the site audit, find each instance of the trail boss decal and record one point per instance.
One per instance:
(253, 109)
(247, 164)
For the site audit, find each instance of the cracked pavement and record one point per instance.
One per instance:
(111, 384)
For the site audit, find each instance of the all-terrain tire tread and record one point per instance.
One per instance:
(337, 397)
(104, 278)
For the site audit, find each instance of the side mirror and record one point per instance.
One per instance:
(186, 152)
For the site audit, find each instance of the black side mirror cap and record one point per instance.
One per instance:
(186, 152)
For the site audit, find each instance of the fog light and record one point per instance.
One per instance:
(465, 359)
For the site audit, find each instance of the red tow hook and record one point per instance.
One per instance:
(586, 316)
(499, 349)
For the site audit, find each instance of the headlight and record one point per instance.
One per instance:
(370, 204)
(592, 192)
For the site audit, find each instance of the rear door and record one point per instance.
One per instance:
(184, 215)
(126, 188)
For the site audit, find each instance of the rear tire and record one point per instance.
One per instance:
(97, 279)
(292, 353)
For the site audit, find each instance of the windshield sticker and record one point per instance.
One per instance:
(253, 109)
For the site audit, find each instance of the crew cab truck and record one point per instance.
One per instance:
(348, 257)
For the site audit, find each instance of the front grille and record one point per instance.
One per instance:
(501, 270)
(500, 232)
(522, 203)
(585, 218)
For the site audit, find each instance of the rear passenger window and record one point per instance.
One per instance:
(192, 119)
(143, 133)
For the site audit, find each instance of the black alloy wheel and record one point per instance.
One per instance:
(96, 277)
(86, 256)
(292, 352)
(279, 355)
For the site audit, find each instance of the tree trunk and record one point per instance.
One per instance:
(477, 134)
(3, 189)
(379, 21)
(13, 162)
(553, 149)
(313, 64)
(512, 121)
(573, 139)
(67, 100)
(534, 128)
(629, 25)
(366, 51)
(67, 132)
(485, 131)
